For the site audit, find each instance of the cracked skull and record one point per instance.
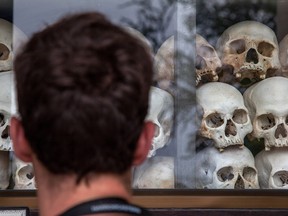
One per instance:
(207, 61)
(225, 117)
(251, 48)
(267, 102)
(272, 167)
(161, 112)
(232, 169)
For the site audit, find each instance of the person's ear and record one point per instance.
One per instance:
(21, 146)
(144, 143)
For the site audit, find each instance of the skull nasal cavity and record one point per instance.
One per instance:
(239, 183)
(280, 130)
(6, 132)
(200, 63)
(252, 56)
(230, 129)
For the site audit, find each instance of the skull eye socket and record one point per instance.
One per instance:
(249, 174)
(240, 116)
(4, 52)
(280, 178)
(156, 130)
(225, 174)
(26, 173)
(205, 51)
(214, 120)
(265, 49)
(266, 121)
(2, 119)
(237, 46)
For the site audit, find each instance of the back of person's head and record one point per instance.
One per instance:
(82, 88)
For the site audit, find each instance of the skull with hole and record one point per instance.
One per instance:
(225, 117)
(251, 50)
(207, 61)
(161, 112)
(267, 102)
(6, 83)
(272, 168)
(232, 169)
(155, 172)
(164, 65)
(23, 174)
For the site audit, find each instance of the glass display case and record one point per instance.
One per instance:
(219, 99)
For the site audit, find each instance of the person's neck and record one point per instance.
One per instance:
(56, 194)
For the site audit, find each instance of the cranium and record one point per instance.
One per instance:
(251, 48)
(23, 174)
(232, 169)
(272, 168)
(207, 61)
(5, 169)
(6, 83)
(164, 65)
(225, 118)
(155, 172)
(267, 102)
(161, 111)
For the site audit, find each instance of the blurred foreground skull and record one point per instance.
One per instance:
(23, 174)
(272, 168)
(267, 102)
(233, 168)
(251, 49)
(164, 65)
(161, 112)
(6, 88)
(225, 117)
(155, 172)
(207, 61)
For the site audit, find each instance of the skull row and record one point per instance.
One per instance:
(247, 52)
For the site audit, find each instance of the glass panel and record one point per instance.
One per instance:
(207, 55)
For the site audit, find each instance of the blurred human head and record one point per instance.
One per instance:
(82, 87)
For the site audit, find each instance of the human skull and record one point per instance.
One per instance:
(6, 38)
(267, 102)
(5, 169)
(23, 174)
(225, 118)
(6, 85)
(164, 65)
(135, 33)
(207, 61)
(251, 48)
(283, 56)
(161, 112)
(233, 168)
(272, 168)
(7, 41)
(155, 172)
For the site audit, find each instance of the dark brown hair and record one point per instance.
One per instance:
(82, 87)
